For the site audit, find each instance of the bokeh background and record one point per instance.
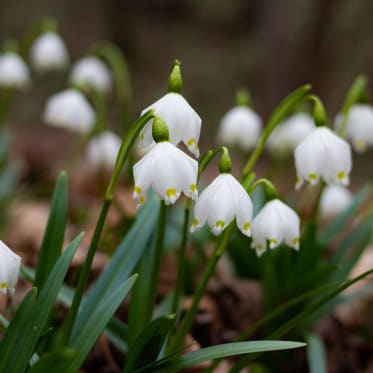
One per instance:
(270, 47)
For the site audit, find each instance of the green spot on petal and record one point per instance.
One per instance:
(3, 285)
(341, 175)
(312, 176)
(246, 226)
(171, 192)
(220, 224)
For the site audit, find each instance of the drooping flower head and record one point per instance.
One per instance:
(9, 269)
(359, 128)
(275, 222)
(183, 123)
(222, 201)
(49, 52)
(334, 200)
(240, 126)
(323, 154)
(165, 168)
(103, 149)
(288, 134)
(71, 110)
(91, 71)
(14, 73)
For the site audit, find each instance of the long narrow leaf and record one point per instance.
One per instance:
(122, 263)
(54, 233)
(316, 354)
(94, 325)
(149, 343)
(176, 363)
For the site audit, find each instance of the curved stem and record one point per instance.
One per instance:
(118, 64)
(101, 113)
(186, 322)
(83, 277)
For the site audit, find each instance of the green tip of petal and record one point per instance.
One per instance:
(225, 163)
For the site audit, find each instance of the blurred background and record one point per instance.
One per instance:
(270, 47)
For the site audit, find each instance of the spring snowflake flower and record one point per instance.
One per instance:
(14, 72)
(323, 154)
(91, 71)
(334, 200)
(183, 123)
(288, 134)
(275, 222)
(49, 52)
(9, 269)
(240, 126)
(103, 149)
(71, 110)
(222, 201)
(169, 171)
(359, 128)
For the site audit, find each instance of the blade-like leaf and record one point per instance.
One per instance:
(316, 354)
(54, 362)
(123, 262)
(54, 233)
(149, 343)
(95, 323)
(10, 343)
(176, 363)
(33, 327)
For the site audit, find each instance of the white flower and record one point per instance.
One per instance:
(222, 201)
(103, 149)
(241, 126)
(13, 71)
(183, 123)
(92, 71)
(359, 126)
(275, 222)
(49, 52)
(71, 110)
(334, 200)
(9, 269)
(169, 171)
(288, 134)
(323, 154)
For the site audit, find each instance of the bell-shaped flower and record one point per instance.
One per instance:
(240, 126)
(359, 127)
(334, 199)
(9, 269)
(103, 149)
(288, 134)
(71, 110)
(222, 201)
(323, 154)
(14, 73)
(169, 171)
(183, 123)
(275, 222)
(91, 71)
(49, 52)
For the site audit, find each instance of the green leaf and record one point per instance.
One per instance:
(95, 323)
(122, 263)
(33, 321)
(10, 343)
(316, 354)
(54, 234)
(176, 363)
(148, 344)
(54, 362)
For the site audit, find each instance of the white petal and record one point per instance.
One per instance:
(13, 71)
(9, 269)
(142, 177)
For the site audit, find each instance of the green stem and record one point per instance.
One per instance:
(156, 263)
(99, 104)
(83, 278)
(180, 272)
(124, 150)
(187, 321)
(119, 67)
(5, 103)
